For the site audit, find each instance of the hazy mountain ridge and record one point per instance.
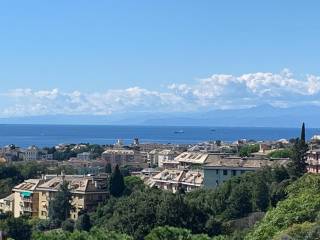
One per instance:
(262, 116)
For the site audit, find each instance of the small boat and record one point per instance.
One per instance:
(179, 131)
(212, 130)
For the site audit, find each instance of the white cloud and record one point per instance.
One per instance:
(220, 91)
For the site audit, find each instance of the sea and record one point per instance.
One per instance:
(51, 135)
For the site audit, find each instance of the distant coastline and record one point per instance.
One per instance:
(25, 135)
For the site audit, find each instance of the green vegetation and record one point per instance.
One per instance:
(283, 202)
(116, 185)
(83, 223)
(95, 234)
(69, 151)
(281, 153)
(295, 213)
(13, 174)
(247, 150)
(18, 228)
(60, 206)
(173, 233)
(202, 211)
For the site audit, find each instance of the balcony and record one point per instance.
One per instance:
(28, 200)
(26, 209)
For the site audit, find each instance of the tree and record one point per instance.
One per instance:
(303, 134)
(83, 223)
(68, 225)
(260, 195)
(116, 183)
(18, 228)
(239, 202)
(298, 165)
(60, 206)
(133, 183)
(247, 150)
(172, 233)
(108, 168)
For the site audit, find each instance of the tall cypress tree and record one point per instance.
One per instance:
(116, 185)
(303, 134)
(298, 165)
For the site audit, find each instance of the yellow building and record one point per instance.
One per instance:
(33, 196)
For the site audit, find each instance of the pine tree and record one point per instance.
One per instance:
(60, 206)
(116, 183)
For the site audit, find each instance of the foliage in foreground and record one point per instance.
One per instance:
(301, 206)
(201, 211)
(95, 234)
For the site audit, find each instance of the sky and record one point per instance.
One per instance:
(105, 57)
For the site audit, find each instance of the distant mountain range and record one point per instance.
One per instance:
(262, 116)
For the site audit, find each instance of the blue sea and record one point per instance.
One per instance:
(50, 135)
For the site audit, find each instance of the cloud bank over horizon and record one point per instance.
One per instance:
(219, 91)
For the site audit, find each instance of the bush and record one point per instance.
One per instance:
(68, 225)
(83, 223)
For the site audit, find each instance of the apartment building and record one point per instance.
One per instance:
(26, 198)
(219, 170)
(313, 160)
(118, 156)
(87, 192)
(32, 153)
(85, 156)
(192, 158)
(6, 204)
(166, 155)
(33, 196)
(174, 179)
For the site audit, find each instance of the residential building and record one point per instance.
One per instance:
(118, 156)
(172, 180)
(192, 158)
(6, 204)
(32, 153)
(87, 192)
(33, 196)
(153, 157)
(10, 153)
(220, 170)
(166, 155)
(26, 198)
(313, 160)
(85, 156)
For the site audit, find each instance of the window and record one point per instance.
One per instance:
(217, 182)
(225, 172)
(234, 172)
(243, 171)
(217, 171)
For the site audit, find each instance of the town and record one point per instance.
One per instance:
(164, 166)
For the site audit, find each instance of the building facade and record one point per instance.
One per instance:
(218, 171)
(313, 160)
(33, 196)
(173, 180)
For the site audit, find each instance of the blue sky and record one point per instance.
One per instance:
(103, 57)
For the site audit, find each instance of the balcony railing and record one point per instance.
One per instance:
(29, 200)
(27, 209)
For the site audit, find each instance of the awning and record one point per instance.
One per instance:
(26, 194)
